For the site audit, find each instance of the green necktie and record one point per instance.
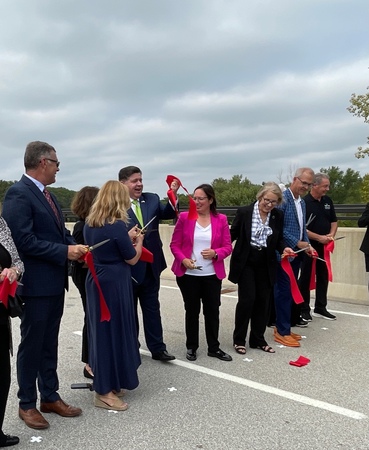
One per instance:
(138, 211)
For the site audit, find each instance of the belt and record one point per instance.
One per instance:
(257, 247)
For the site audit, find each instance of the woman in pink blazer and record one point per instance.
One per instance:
(199, 248)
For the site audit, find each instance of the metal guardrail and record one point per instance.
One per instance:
(344, 212)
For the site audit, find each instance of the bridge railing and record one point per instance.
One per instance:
(344, 212)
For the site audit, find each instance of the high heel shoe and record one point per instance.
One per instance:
(114, 404)
(87, 374)
(120, 393)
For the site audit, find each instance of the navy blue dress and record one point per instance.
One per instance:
(113, 346)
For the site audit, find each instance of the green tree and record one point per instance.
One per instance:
(234, 192)
(360, 107)
(345, 186)
(364, 191)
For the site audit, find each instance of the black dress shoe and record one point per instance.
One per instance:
(163, 356)
(301, 323)
(191, 354)
(9, 441)
(220, 355)
(87, 374)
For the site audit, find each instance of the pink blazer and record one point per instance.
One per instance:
(182, 242)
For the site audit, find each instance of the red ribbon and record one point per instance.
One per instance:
(295, 291)
(313, 275)
(328, 248)
(146, 255)
(6, 289)
(104, 310)
(192, 213)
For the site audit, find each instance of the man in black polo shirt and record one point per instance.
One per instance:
(321, 224)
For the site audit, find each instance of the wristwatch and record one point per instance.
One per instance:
(215, 256)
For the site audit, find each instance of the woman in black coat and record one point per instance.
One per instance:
(364, 222)
(258, 229)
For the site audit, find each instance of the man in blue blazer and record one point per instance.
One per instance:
(295, 237)
(146, 276)
(44, 245)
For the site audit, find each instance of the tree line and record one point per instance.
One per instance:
(347, 187)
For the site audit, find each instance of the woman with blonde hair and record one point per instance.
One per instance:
(113, 347)
(258, 229)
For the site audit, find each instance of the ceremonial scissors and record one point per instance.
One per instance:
(92, 247)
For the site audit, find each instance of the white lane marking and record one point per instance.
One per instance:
(268, 389)
(235, 297)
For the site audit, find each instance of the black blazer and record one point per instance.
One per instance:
(241, 230)
(364, 222)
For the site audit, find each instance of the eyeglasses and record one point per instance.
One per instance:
(54, 161)
(200, 198)
(270, 202)
(305, 183)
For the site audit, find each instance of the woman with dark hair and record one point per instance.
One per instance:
(11, 267)
(258, 229)
(80, 206)
(199, 248)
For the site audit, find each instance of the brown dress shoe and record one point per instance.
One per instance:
(287, 340)
(297, 337)
(33, 418)
(61, 408)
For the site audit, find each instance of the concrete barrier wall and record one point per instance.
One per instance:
(350, 281)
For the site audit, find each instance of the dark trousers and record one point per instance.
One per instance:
(287, 312)
(321, 280)
(4, 373)
(194, 290)
(148, 294)
(79, 278)
(253, 301)
(37, 357)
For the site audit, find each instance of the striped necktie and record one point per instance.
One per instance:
(138, 211)
(52, 204)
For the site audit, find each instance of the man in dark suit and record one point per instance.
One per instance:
(44, 245)
(295, 236)
(146, 276)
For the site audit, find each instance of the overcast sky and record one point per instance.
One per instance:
(200, 89)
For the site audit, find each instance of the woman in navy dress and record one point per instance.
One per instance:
(113, 346)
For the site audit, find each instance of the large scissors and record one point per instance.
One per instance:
(92, 247)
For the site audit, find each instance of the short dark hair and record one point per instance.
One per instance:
(126, 172)
(209, 192)
(35, 151)
(83, 200)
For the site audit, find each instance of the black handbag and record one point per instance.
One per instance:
(15, 306)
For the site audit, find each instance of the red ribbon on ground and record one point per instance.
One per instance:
(192, 213)
(6, 289)
(295, 291)
(104, 310)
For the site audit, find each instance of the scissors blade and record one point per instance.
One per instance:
(92, 247)
(341, 237)
(148, 223)
(301, 249)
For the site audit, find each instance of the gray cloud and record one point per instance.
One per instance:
(198, 89)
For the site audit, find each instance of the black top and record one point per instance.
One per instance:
(324, 213)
